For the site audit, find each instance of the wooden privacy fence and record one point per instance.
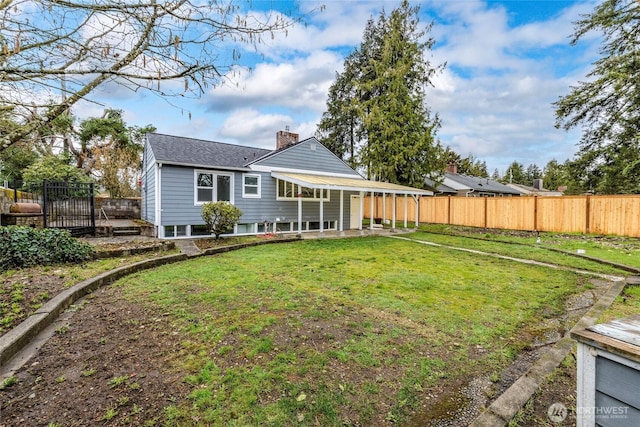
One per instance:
(619, 215)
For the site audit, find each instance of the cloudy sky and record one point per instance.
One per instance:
(507, 61)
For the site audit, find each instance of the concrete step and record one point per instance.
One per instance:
(126, 231)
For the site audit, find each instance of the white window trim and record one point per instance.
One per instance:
(215, 183)
(259, 185)
(304, 199)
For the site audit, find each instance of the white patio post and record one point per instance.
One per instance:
(300, 209)
(417, 203)
(384, 207)
(341, 220)
(321, 210)
(405, 211)
(371, 212)
(361, 211)
(393, 213)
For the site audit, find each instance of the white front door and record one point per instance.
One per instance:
(354, 218)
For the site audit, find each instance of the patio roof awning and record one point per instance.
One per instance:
(348, 184)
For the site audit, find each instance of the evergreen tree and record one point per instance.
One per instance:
(607, 107)
(532, 173)
(339, 125)
(473, 167)
(554, 175)
(392, 129)
(515, 174)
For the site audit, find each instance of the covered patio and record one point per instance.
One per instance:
(361, 186)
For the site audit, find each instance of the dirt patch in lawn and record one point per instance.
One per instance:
(111, 363)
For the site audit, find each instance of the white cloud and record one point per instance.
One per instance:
(302, 83)
(252, 128)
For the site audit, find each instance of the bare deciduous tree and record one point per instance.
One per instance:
(171, 48)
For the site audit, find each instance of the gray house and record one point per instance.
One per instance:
(298, 187)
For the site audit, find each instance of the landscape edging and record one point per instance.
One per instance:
(502, 410)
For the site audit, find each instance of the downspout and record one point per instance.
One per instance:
(468, 192)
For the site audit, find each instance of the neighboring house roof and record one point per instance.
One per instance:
(183, 151)
(442, 189)
(458, 183)
(525, 189)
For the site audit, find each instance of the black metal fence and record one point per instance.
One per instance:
(67, 205)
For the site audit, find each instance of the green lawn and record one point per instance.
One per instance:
(342, 332)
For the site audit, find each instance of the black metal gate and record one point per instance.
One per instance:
(67, 205)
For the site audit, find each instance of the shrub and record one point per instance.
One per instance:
(25, 247)
(220, 216)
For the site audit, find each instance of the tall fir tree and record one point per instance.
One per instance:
(607, 106)
(393, 129)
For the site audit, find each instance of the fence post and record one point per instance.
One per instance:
(587, 213)
(486, 198)
(44, 203)
(15, 191)
(448, 210)
(535, 212)
(93, 210)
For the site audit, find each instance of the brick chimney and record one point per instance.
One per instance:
(452, 168)
(285, 138)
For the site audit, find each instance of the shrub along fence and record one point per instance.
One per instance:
(619, 215)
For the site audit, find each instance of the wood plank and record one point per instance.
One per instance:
(625, 330)
(611, 345)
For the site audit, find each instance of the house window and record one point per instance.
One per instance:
(251, 186)
(246, 228)
(200, 230)
(289, 191)
(213, 187)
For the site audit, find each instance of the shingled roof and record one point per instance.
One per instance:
(455, 182)
(179, 150)
(480, 185)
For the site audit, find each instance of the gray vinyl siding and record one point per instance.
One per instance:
(179, 208)
(149, 196)
(308, 155)
(617, 387)
(148, 186)
(177, 195)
